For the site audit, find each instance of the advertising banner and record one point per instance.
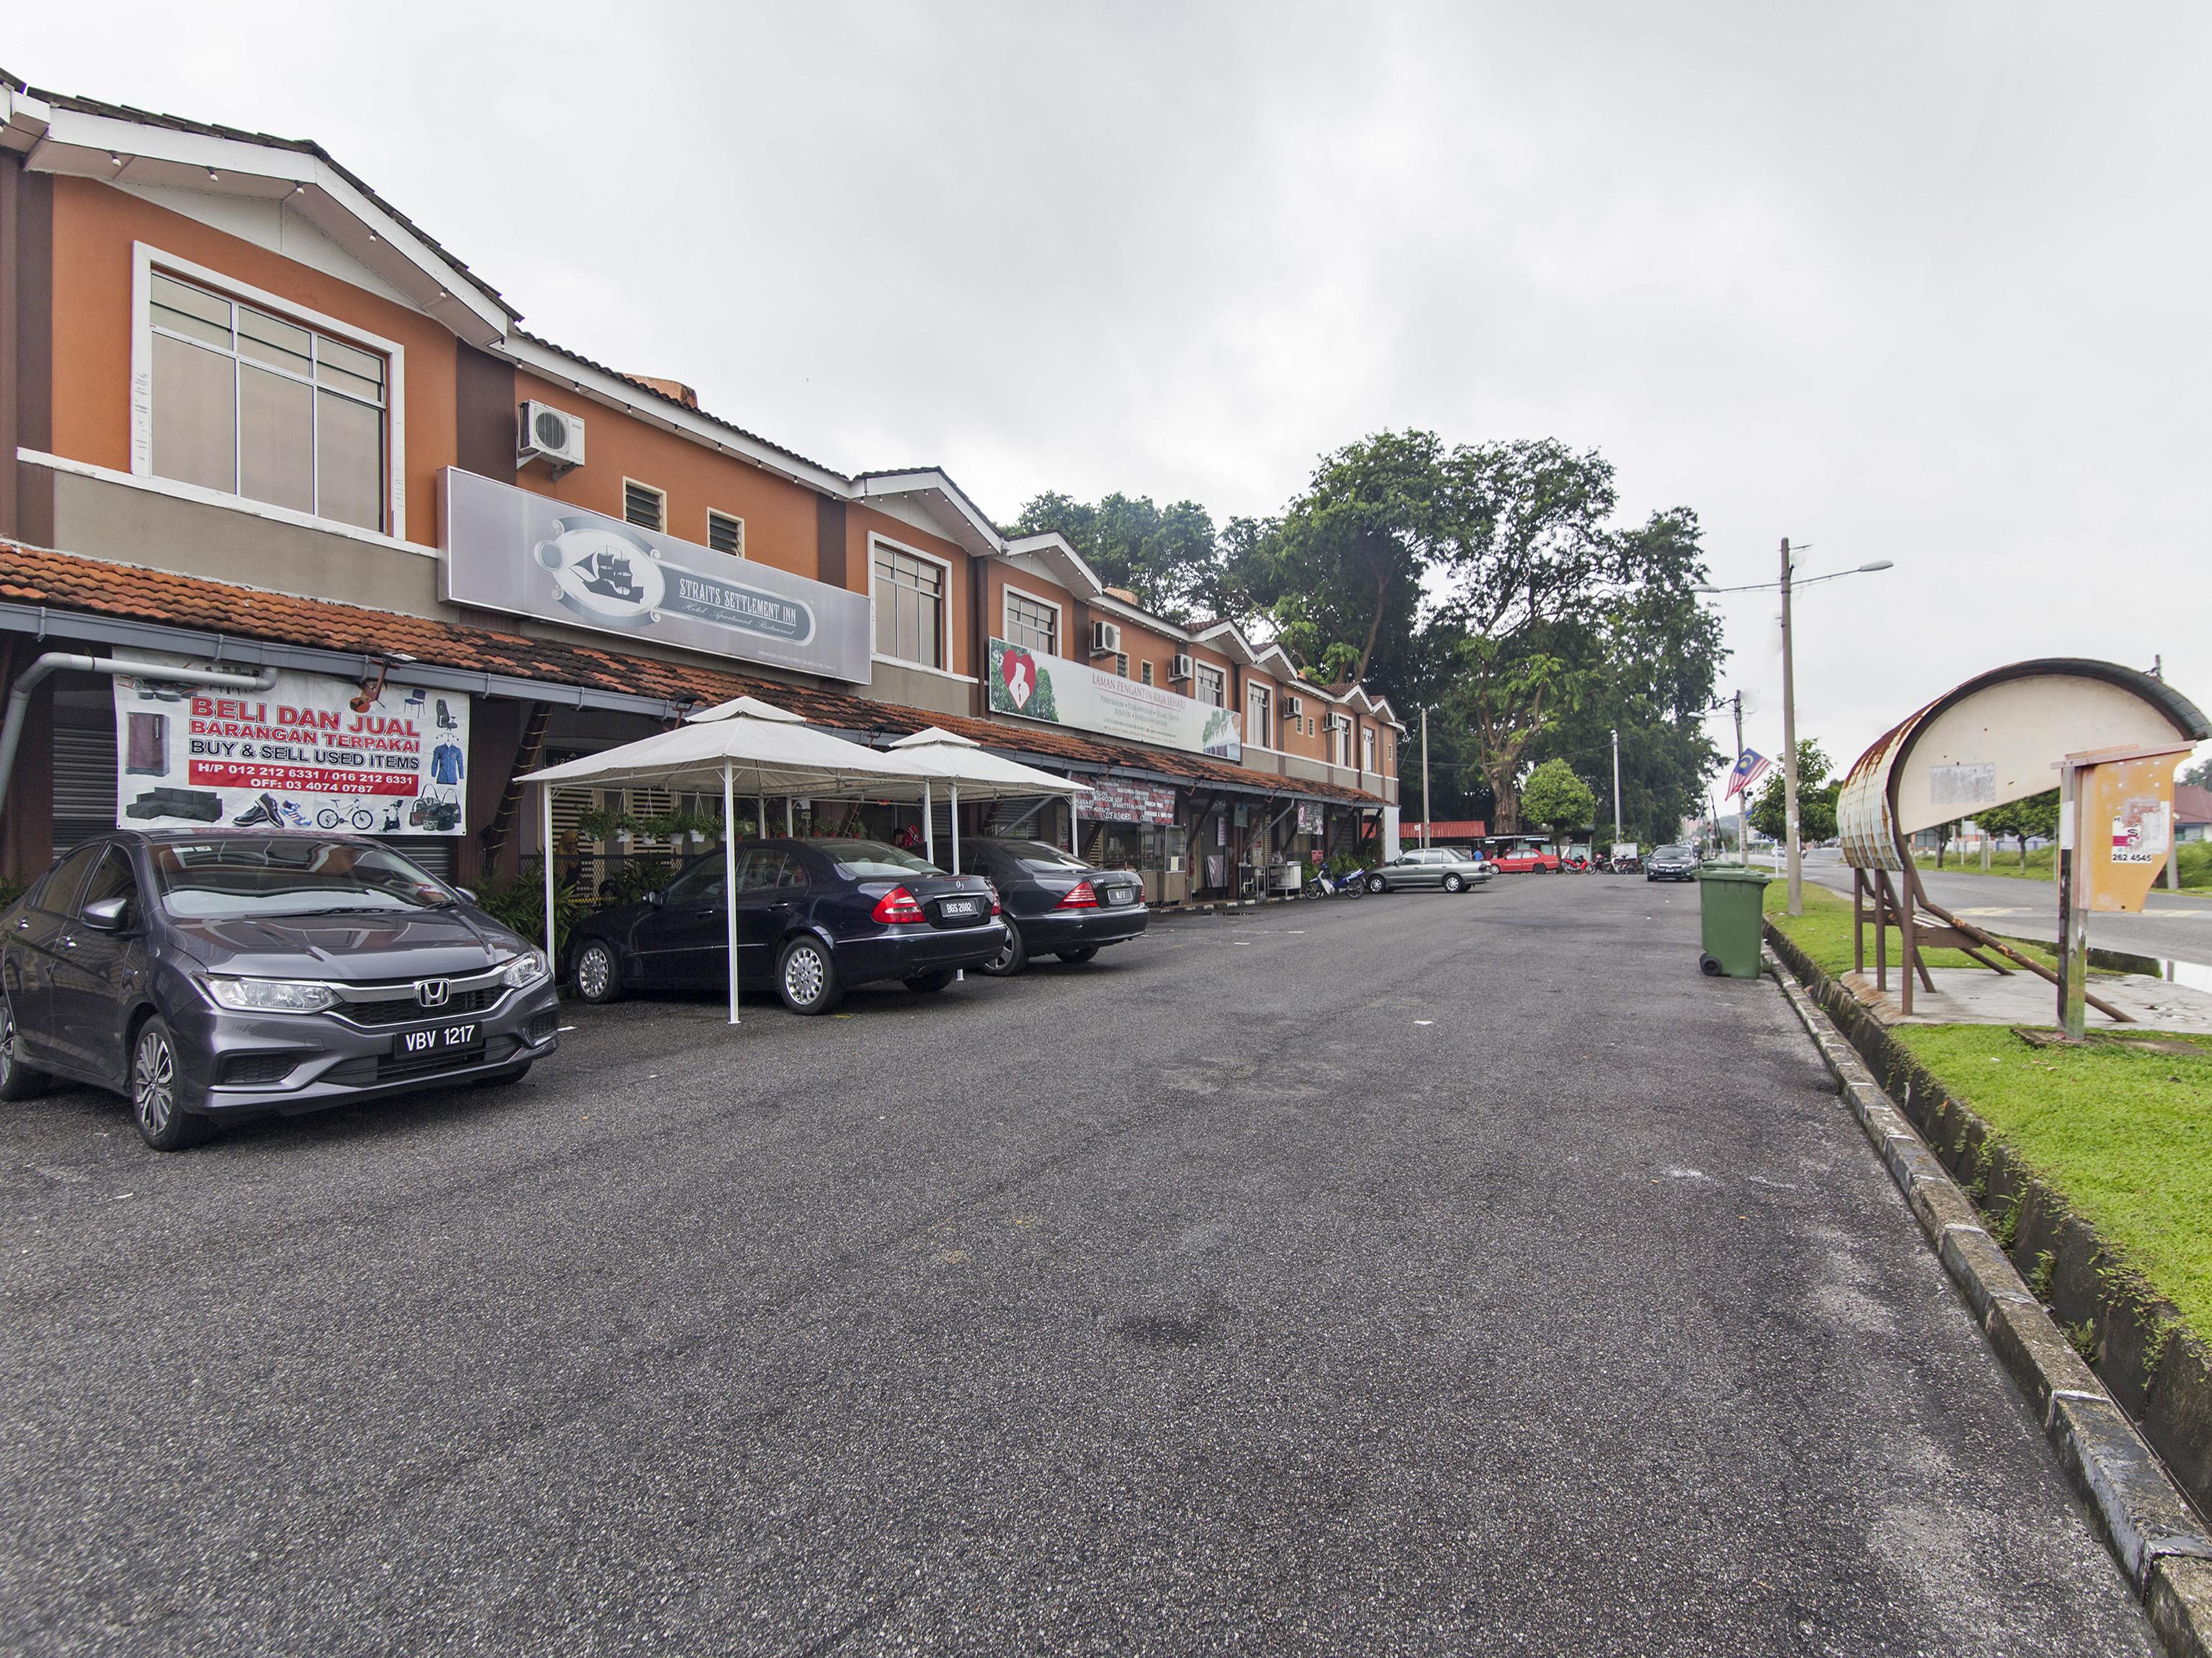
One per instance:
(1116, 800)
(529, 555)
(308, 753)
(1051, 688)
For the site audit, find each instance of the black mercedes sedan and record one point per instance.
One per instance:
(227, 974)
(1056, 903)
(814, 918)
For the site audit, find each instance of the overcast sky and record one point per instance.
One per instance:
(1923, 283)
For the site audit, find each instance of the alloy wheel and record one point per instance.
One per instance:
(803, 974)
(154, 1082)
(7, 1043)
(595, 971)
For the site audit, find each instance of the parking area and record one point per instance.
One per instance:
(1408, 1273)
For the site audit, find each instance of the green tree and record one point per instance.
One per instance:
(2034, 817)
(1554, 796)
(1816, 798)
(1169, 556)
(2199, 776)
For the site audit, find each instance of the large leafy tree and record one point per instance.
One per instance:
(1169, 556)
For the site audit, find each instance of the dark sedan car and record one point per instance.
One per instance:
(1056, 903)
(212, 975)
(814, 918)
(1675, 863)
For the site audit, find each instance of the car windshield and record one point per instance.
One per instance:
(1674, 851)
(872, 860)
(269, 877)
(1040, 859)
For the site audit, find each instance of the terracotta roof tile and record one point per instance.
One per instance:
(68, 582)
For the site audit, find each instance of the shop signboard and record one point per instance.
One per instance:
(310, 752)
(1036, 686)
(1309, 818)
(529, 555)
(1116, 800)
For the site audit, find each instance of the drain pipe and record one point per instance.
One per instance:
(19, 701)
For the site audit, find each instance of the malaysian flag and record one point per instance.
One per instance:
(1750, 766)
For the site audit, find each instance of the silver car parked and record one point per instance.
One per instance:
(1429, 866)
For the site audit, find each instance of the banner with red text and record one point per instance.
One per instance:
(312, 752)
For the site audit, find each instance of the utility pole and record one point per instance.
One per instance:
(1789, 746)
(1616, 786)
(1743, 829)
(1424, 776)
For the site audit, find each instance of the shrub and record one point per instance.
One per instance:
(521, 904)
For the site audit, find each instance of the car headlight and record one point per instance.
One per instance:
(270, 995)
(526, 970)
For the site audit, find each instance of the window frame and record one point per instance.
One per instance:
(1260, 700)
(713, 513)
(629, 484)
(145, 260)
(1145, 671)
(1006, 615)
(1202, 674)
(944, 608)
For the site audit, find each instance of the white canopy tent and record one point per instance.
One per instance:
(746, 746)
(966, 766)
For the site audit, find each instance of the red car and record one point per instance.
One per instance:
(1524, 854)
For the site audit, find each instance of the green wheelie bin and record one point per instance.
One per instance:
(1728, 899)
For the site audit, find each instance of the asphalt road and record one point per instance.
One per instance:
(1409, 1274)
(2172, 926)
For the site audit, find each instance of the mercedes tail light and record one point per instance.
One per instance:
(1079, 896)
(898, 909)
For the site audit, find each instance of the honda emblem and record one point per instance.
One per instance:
(432, 992)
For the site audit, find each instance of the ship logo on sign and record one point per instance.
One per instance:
(603, 574)
(1018, 669)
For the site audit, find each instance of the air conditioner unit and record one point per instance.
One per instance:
(1338, 722)
(1180, 669)
(1105, 638)
(1293, 708)
(552, 435)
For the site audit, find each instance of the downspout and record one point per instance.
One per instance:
(18, 699)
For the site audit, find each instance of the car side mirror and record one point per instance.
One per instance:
(466, 896)
(108, 914)
(655, 898)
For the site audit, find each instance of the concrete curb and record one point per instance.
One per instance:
(2154, 1533)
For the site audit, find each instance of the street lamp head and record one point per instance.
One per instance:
(1879, 564)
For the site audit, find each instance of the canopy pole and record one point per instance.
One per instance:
(790, 818)
(1074, 838)
(928, 823)
(545, 849)
(962, 973)
(760, 817)
(730, 878)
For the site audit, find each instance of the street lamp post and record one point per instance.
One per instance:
(1616, 786)
(1787, 583)
(1424, 776)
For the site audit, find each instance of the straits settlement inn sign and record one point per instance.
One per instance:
(528, 554)
(1051, 688)
(300, 755)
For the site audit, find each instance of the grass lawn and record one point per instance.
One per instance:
(2196, 864)
(1824, 932)
(2125, 1136)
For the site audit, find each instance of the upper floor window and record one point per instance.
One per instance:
(1032, 624)
(250, 403)
(644, 506)
(909, 606)
(1144, 672)
(1367, 750)
(1255, 717)
(1121, 664)
(725, 533)
(1208, 686)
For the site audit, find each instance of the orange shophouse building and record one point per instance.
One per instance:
(260, 422)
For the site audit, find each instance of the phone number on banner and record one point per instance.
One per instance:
(300, 780)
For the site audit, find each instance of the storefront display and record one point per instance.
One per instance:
(311, 752)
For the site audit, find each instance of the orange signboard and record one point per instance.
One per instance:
(2127, 828)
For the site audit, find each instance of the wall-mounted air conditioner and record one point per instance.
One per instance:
(1293, 708)
(1105, 638)
(552, 435)
(1180, 669)
(1338, 722)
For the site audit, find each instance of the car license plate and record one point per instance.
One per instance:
(439, 1039)
(961, 907)
(1116, 897)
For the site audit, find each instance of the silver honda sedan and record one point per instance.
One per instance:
(1429, 866)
